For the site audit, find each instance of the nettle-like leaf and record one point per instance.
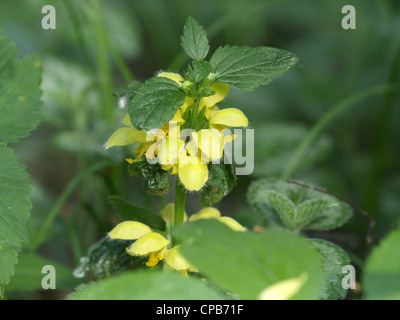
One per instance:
(381, 279)
(262, 258)
(194, 40)
(248, 68)
(14, 211)
(333, 261)
(155, 103)
(221, 180)
(20, 113)
(128, 211)
(297, 207)
(200, 71)
(19, 94)
(147, 285)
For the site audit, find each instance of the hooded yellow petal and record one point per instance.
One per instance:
(221, 91)
(172, 76)
(126, 136)
(178, 118)
(205, 213)
(193, 176)
(129, 230)
(284, 290)
(175, 260)
(232, 223)
(230, 117)
(148, 243)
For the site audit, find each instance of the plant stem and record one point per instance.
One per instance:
(180, 196)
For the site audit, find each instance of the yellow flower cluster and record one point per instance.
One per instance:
(151, 244)
(188, 156)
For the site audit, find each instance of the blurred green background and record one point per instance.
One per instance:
(100, 45)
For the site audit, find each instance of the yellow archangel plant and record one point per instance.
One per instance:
(185, 152)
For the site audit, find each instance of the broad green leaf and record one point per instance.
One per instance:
(28, 274)
(246, 263)
(126, 94)
(248, 68)
(381, 280)
(147, 285)
(107, 257)
(194, 40)
(14, 211)
(155, 103)
(128, 211)
(19, 93)
(221, 180)
(313, 210)
(333, 260)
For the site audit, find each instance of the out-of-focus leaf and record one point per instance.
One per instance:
(333, 260)
(28, 274)
(246, 263)
(381, 280)
(147, 285)
(298, 207)
(128, 211)
(19, 92)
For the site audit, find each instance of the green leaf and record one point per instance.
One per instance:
(28, 274)
(381, 279)
(333, 260)
(14, 211)
(297, 207)
(107, 257)
(128, 211)
(194, 40)
(126, 94)
(147, 285)
(248, 68)
(201, 69)
(245, 263)
(155, 103)
(19, 93)
(221, 180)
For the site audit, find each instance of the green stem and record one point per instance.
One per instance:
(180, 196)
(326, 120)
(66, 193)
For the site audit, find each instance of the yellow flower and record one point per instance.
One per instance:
(188, 159)
(213, 213)
(175, 260)
(284, 290)
(154, 245)
(148, 243)
(126, 135)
